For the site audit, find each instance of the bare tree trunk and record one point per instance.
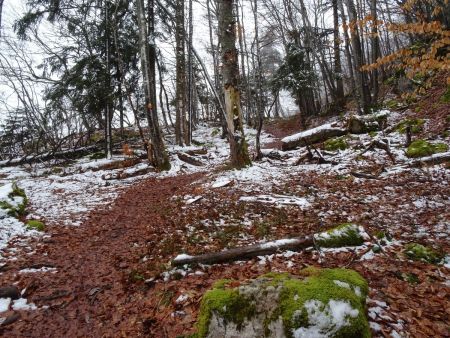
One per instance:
(180, 36)
(361, 84)
(191, 84)
(258, 71)
(108, 108)
(337, 57)
(157, 152)
(375, 48)
(230, 73)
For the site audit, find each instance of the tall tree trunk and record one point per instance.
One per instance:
(191, 84)
(230, 74)
(147, 46)
(337, 57)
(180, 36)
(360, 77)
(375, 48)
(258, 71)
(348, 54)
(108, 108)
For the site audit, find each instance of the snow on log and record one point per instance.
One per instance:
(431, 160)
(190, 160)
(246, 252)
(361, 124)
(311, 136)
(64, 154)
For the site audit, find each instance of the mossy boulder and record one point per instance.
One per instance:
(13, 199)
(415, 124)
(422, 148)
(319, 303)
(35, 225)
(418, 252)
(347, 234)
(338, 143)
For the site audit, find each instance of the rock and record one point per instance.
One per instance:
(362, 124)
(321, 303)
(9, 292)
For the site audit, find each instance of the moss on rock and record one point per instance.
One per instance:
(422, 148)
(35, 225)
(418, 252)
(346, 234)
(323, 302)
(337, 143)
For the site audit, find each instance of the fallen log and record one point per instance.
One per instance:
(361, 124)
(247, 252)
(66, 154)
(363, 175)
(431, 160)
(200, 151)
(311, 136)
(127, 174)
(190, 160)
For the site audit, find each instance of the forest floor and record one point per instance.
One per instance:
(102, 266)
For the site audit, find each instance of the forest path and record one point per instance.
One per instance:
(92, 294)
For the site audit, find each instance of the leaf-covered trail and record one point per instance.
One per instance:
(94, 291)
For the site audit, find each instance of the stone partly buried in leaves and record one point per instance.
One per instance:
(320, 303)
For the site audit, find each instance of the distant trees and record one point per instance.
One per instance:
(110, 64)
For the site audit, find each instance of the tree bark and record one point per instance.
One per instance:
(230, 74)
(360, 77)
(180, 36)
(337, 57)
(158, 154)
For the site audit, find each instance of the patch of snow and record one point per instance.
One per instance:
(278, 243)
(4, 304)
(324, 320)
(181, 299)
(21, 304)
(43, 269)
(278, 200)
(182, 257)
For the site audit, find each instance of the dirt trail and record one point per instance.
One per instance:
(91, 294)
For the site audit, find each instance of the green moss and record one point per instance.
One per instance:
(415, 124)
(228, 304)
(346, 234)
(445, 98)
(338, 143)
(373, 133)
(215, 132)
(322, 285)
(418, 252)
(421, 148)
(35, 225)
